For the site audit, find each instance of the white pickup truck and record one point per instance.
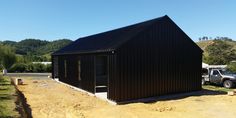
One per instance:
(218, 76)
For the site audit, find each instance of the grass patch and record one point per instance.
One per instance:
(216, 88)
(7, 99)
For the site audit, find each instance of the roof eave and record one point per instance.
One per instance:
(84, 52)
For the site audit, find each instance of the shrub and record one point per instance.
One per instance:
(18, 67)
(48, 68)
(232, 67)
(7, 56)
(39, 67)
(30, 67)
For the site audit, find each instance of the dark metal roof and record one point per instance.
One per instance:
(106, 41)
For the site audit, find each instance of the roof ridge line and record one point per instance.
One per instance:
(154, 21)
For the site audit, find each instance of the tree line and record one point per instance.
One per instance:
(18, 56)
(206, 38)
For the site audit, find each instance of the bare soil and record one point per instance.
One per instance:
(50, 99)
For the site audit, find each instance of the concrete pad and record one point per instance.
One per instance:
(101, 95)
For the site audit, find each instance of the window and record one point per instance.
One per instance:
(215, 72)
(65, 67)
(79, 70)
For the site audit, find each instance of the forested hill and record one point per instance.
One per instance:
(218, 51)
(204, 45)
(36, 46)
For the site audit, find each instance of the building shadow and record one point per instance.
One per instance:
(178, 96)
(203, 92)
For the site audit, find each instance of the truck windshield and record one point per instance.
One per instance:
(226, 72)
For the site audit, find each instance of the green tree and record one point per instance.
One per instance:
(7, 56)
(29, 46)
(39, 67)
(220, 53)
(232, 67)
(18, 67)
(53, 46)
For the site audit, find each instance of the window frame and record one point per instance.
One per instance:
(218, 73)
(65, 68)
(79, 70)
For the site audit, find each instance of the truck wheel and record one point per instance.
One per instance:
(228, 84)
(203, 81)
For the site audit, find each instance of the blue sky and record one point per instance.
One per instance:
(56, 19)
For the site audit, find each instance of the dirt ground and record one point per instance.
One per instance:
(50, 99)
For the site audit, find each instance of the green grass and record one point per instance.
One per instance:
(216, 88)
(7, 99)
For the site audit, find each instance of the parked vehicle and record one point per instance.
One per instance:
(218, 76)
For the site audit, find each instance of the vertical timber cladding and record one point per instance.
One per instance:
(54, 66)
(113, 81)
(67, 69)
(87, 72)
(69, 74)
(61, 69)
(158, 61)
(71, 69)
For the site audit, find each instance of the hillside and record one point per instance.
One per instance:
(219, 52)
(204, 44)
(53, 46)
(36, 46)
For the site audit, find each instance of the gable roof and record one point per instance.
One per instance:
(106, 41)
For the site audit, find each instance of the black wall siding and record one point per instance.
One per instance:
(53, 67)
(163, 64)
(88, 73)
(113, 82)
(157, 61)
(70, 65)
(61, 69)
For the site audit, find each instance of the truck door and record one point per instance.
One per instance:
(215, 76)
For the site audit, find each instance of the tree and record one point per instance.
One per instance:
(220, 53)
(200, 39)
(7, 56)
(18, 67)
(232, 66)
(29, 46)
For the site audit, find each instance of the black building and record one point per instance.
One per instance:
(143, 60)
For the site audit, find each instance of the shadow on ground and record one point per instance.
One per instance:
(203, 92)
